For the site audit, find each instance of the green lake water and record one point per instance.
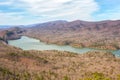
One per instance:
(27, 43)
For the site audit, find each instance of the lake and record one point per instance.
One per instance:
(27, 43)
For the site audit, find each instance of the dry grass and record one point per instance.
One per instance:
(16, 64)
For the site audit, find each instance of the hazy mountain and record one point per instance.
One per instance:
(4, 26)
(51, 23)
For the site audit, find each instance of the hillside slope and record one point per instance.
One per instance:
(16, 64)
(102, 35)
(10, 34)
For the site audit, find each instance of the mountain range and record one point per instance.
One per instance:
(18, 64)
(101, 34)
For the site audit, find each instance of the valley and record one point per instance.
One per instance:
(59, 40)
(49, 51)
(100, 35)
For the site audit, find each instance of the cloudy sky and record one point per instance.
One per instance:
(38, 11)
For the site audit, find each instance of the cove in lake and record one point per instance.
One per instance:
(27, 43)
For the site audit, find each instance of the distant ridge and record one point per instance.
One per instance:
(57, 22)
(78, 33)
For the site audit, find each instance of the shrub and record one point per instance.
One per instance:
(66, 78)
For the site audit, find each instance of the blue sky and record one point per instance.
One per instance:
(15, 12)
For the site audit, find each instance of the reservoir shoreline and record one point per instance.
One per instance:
(27, 43)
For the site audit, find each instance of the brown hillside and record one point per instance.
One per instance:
(102, 35)
(16, 64)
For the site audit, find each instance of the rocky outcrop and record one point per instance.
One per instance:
(10, 34)
(3, 36)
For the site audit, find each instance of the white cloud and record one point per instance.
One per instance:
(10, 18)
(54, 9)
(60, 7)
(9, 2)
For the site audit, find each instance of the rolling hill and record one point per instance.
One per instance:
(102, 34)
